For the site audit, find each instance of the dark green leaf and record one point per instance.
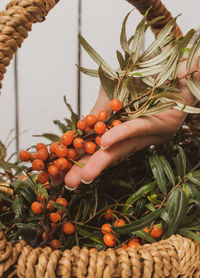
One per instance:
(189, 234)
(121, 60)
(27, 193)
(50, 136)
(89, 235)
(5, 198)
(165, 217)
(138, 224)
(42, 190)
(30, 227)
(61, 126)
(194, 180)
(145, 235)
(195, 194)
(107, 83)
(90, 72)
(17, 207)
(86, 210)
(143, 191)
(74, 116)
(59, 206)
(69, 243)
(168, 170)
(123, 37)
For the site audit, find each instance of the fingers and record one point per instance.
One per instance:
(161, 124)
(100, 160)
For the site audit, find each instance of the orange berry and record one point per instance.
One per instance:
(53, 225)
(40, 146)
(71, 153)
(42, 154)
(156, 232)
(24, 156)
(146, 230)
(102, 115)
(61, 150)
(90, 120)
(37, 207)
(78, 143)
(53, 170)
(69, 166)
(88, 130)
(115, 104)
(55, 217)
(48, 186)
(100, 127)
(106, 228)
(33, 156)
(55, 243)
(71, 132)
(68, 228)
(119, 223)
(116, 122)
(53, 146)
(44, 235)
(49, 206)
(124, 246)
(81, 124)
(133, 244)
(90, 147)
(98, 140)
(41, 198)
(43, 177)
(62, 201)
(66, 139)
(38, 165)
(108, 214)
(135, 239)
(61, 163)
(109, 240)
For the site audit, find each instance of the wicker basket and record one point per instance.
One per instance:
(174, 257)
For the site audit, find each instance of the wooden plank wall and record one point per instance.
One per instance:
(46, 63)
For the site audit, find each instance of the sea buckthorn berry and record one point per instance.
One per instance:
(53, 170)
(116, 122)
(102, 115)
(38, 165)
(48, 186)
(37, 207)
(71, 153)
(108, 214)
(40, 146)
(53, 225)
(135, 239)
(53, 146)
(62, 201)
(88, 130)
(124, 246)
(61, 163)
(81, 124)
(106, 228)
(69, 166)
(90, 147)
(41, 198)
(100, 127)
(24, 156)
(78, 143)
(91, 120)
(146, 230)
(119, 223)
(55, 217)
(98, 140)
(71, 132)
(115, 105)
(49, 206)
(133, 244)
(66, 139)
(109, 240)
(43, 235)
(61, 150)
(42, 154)
(68, 228)
(33, 156)
(43, 177)
(55, 243)
(156, 232)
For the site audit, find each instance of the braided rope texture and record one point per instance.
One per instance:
(157, 9)
(15, 23)
(175, 257)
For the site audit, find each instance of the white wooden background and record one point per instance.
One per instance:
(46, 62)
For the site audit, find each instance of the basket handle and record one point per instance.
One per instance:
(157, 9)
(15, 23)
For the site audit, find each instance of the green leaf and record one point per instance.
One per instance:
(90, 72)
(5, 198)
(17, 207)
(78, 163)
(185, 49)
(61, 126)
(85, 233)
(194, 180)
(182, 160)
(96, 57)
(74, 116)
(121, 60)
(143, 191)
(29, 227)
(179, 212)
(145, 235)
(123, 37)
(182, 107)
(171, 201)
(27, 193)
(42, 190)
(107, 83)
(86, 210)
(192, 54)
(59, 206)
(195, 194)
(138, 224)
(189, 234)
(165, 217)
(69, 243)
(158, 173)
(50, 136)
(147, 71)
(153, 21)
(3, 151)
(168, 170)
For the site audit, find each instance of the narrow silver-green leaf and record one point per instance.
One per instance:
(193, 53)
(182, 159)
(123, 37)
(145, 235)
(90, 72)
(107, 83)
(147, 71)
(194, 180)
(194, 87)
(96, 57)
(153, 21)
(195, 194)
(182, 107)
(168, 170)
(121, 60)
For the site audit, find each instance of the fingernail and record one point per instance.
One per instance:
(86, 182)
(70, 188)
(104, 148)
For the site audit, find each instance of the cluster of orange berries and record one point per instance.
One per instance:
(110, 236)
(55, 218)
(59, 157)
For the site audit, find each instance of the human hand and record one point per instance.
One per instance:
(131, 136)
